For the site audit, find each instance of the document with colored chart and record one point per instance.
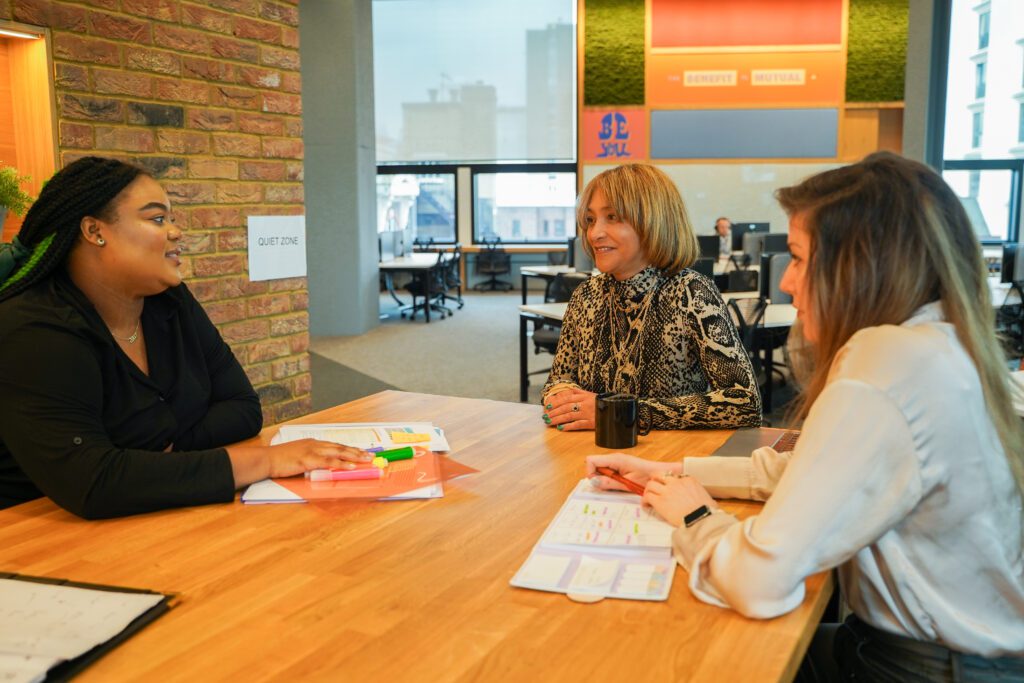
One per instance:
(420, 477)
(602, 543)
(368, 435)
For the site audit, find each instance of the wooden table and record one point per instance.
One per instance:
(402, 591)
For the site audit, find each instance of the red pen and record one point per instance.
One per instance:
(628, 483)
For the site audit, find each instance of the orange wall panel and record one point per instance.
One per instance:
(734, 23)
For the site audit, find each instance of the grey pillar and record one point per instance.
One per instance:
(336, 49)
(924, 115)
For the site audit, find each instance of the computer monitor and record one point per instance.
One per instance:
(709, 246)
(1013, 264)
(773, 267)
(740, 229)
(775, 242)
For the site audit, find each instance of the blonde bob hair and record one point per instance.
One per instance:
(887, 236)
(647, 199)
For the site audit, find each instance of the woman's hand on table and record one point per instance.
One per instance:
(673, 497)
(253, 463)
(570, 410)
(629, 466)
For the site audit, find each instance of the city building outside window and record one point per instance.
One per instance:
(487, 86)
(982, 154)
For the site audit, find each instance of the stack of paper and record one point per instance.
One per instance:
(602, 543)
(420, 477)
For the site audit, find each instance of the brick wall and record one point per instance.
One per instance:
(206, 95)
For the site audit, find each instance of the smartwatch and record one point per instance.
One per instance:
(695, 516)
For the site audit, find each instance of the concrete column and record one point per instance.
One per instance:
(925, 87)
(336, 49)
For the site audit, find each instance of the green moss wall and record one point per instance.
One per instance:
(877, 54)
(613, 52)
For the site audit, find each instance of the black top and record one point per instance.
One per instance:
(80, 423)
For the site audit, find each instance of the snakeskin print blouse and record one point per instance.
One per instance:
(669, 340)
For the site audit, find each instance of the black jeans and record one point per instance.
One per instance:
(864, 653)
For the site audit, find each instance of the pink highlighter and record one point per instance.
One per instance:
(345, 475)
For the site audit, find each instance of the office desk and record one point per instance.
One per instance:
(402, 590)
(411, 263)
(546, 273)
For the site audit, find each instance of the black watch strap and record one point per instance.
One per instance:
(697, 515)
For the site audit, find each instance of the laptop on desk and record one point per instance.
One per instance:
(744, 441)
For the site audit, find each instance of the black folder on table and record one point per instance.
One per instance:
(744, 441)
(72, 667)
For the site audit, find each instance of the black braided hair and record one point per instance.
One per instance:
(86, 187)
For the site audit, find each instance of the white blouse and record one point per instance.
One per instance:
(899, 480)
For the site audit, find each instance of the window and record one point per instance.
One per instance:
(984, 167)
(422, 205)
(523, 207)
(984, 195)
(487, 86)
(486, 81)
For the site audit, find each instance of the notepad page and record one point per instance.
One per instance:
(62, 622)
(605, 520)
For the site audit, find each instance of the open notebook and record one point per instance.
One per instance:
(604, 544)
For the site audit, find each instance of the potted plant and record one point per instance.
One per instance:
(12, 197)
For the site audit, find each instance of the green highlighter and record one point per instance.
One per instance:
(394, 454)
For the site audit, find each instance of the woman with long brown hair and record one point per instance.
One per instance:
(909, 473)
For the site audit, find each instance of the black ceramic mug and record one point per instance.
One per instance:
(617, 421)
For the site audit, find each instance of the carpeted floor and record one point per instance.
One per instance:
(474, 353)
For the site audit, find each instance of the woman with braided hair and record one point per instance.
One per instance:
(117, 394)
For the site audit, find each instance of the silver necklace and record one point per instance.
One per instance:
(134, 335)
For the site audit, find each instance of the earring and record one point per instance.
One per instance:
(100, 241)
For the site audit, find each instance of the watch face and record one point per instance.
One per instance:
(697, 515)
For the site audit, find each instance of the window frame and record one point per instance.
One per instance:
(430, 169)
(495, 169)
(935, 128)
(1016, 168)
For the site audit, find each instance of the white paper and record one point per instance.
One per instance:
(365, 435)
(269, 491)
(594, 575)
(277, 247)
(543, 569)
(63, 622)
(25, 668)
(602, 543)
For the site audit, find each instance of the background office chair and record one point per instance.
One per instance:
(452, 277)
(705, 266)
(747, 315)
(493, 261)
(559, 290)
(421, 244)
(418, 288)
